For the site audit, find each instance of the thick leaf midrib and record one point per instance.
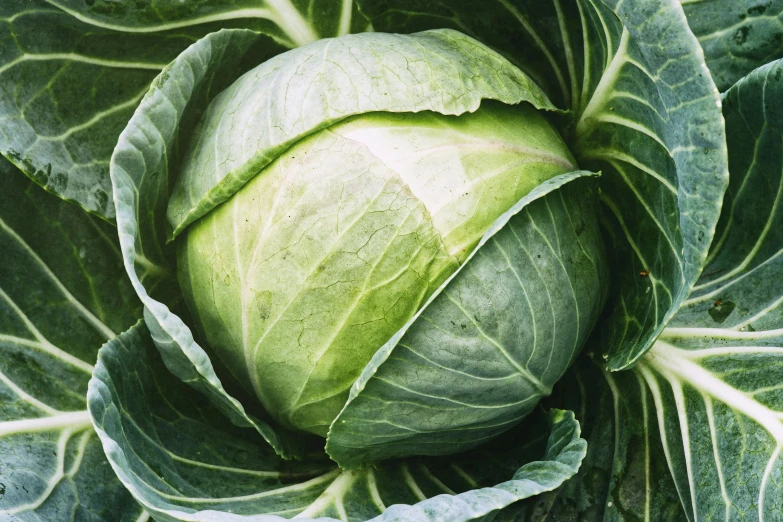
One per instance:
(81, 58)
(667, 360)
(75, 420)
(279, 12)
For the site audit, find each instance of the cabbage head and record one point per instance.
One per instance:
(300, 276)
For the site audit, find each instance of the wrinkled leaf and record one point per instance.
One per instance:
(715, 372)
(737, 35)
(72, 73)
(63, 293)
(291, 96)
(182, 461)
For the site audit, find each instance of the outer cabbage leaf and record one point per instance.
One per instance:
(492, 340)
(737, 35)
(645, 113)
(714, 372)
(292, 22)
(713, 376)
(72, 73)
(142, 160)
(182, 461)
(625, 476)
(62, 294)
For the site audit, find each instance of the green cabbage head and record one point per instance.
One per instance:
(319, 230)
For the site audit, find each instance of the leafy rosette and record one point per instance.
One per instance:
(371, 240)
(385, 239)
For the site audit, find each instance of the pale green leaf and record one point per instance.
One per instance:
(296, 94)
(355, 214)
(491, 342)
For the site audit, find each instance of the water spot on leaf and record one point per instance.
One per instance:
(579, 228)
(759, 9)
(741, 36)
(263, 305)
(721, 310)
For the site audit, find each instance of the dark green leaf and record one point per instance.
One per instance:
(183, 461)
(63, 293)
(737, 35)
(714, 373)
(72, 72)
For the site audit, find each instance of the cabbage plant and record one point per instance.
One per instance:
(391, 260)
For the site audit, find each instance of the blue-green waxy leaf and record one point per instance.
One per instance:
(625, 475)
(645, 113)
(639, 106)
(737, 287)
(737, 35)
(72, 73)
(491, 342)
(140, 176)
(653, 126)
(714, 372)
(178, 456)
(182, 461)
(293, 95)
(62, 294)
(292, 22)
